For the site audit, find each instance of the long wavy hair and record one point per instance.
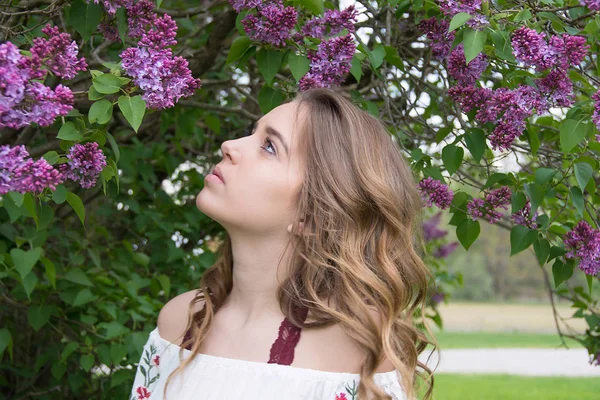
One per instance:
(359, 245)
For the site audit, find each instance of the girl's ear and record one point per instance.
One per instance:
(300, 226)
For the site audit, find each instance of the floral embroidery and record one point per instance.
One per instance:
(352, 391)
(146, 367)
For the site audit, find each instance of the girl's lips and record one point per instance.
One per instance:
(213, 178)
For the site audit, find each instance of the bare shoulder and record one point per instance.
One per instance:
(172, 319)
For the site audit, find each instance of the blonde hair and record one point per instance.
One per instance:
(362, 231)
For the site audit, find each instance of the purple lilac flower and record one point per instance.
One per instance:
(570, 50)
(465, 74)
(330, 63)
(332, 23)
(23, 175)
(13, 78)
(595, 360)
(271, 24)
(431, 230)
(140, 16)
(531, 48)
(558, 87)
(480, 208)
(593, 5)
(161, 35)
(58, 54)
(434, 191)
(239, 5)
(509, 108)
(521, 217)
(452, 7)
(86, 162)
(163, 77)
(437, 31)
(111, 6)
(445, 250)
(595, 115)
(41, 105)
(109, 29)
(583, 242)
(470, 97)
(437, 297)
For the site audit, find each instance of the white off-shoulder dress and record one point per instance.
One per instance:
(210, 377)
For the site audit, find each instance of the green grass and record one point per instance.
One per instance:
(507, 387)
(473, 340)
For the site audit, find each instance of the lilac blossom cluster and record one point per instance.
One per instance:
(487, 208)
(111, 6)
(431, 231)
(531, 48)
(433, 191)
(332, 23)
(21, 174)
(162, 77)
(272, 23)
(23, 100)
(596, 113)
(472, 7)
(595, 360)
(140, 17)
(437, 32)
(593, 5)
(86, 162)
(583, 243)
(437, 297)
(330, 63)
(521, 217)
(465, 74)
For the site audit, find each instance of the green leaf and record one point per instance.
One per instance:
(38, 316)
(85, 18)
(25, 260)
(542, 250)
(93, 94)
(503, 46)
(87, 362)
(522, 15)
(521, 238)
(561, 272)
(122, 23)
(572, 133)
(314, 6)
(588, 278)
(84, 296)
(467, 232)
(356, 68)
(69, 132)
(68, 350)
(452, 156)
(114, 146)
(473, 43)
(269, 98)
(459, 20)
(476, 144)
(299, 65)
(77, 204)
(269, 62)
(76, 275)
(583, 173)
(393, 58)
(133, 109)
(107, 83)
(115, 329)
(29, 283)
(165, 283)
(6, 341)
(238, 48)
(100, 112)
(377, 55)
(535, 193)
(50, 271)
(578, 200)
(59, 195)
(544, 175)
(51, 157)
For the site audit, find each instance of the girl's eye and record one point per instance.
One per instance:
(270, 145)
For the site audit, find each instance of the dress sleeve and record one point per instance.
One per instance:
(148, 373)
(394, 389)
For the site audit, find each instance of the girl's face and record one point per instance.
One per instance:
(261, 172)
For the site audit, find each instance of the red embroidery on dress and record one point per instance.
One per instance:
(282, 350)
